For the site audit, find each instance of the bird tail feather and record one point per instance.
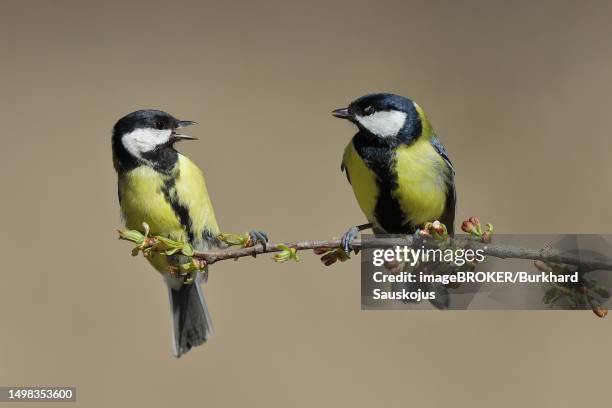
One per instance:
(191, 321)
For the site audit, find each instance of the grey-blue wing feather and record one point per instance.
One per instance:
(448, 217)
(435, 142)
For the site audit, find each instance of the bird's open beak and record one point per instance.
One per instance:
(179, 136)
(185, 123)
(342, 113)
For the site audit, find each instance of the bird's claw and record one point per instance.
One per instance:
(347, 240)
(417, 238)
(258, 237)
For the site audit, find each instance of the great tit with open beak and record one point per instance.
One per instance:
(163, 188)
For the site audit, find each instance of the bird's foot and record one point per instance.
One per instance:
(418, 238)
(257, 237)
(346, 242)
(331, 255)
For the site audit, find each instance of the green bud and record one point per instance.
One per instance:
(187, 249)
(286, 254)
(234, 239)
(186, 268)
(131, 235)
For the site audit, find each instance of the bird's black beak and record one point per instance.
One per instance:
(179, 136)
(185, 123)
(342, 113)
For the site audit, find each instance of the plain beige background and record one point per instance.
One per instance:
(519, 93)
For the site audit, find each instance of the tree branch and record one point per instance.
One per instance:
(494, 250)
(211, 257)
(477, 238)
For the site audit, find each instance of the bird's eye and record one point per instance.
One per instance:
(159, 125)
(368, 110)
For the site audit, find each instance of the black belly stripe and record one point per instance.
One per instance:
(380, 158)
(182, 212)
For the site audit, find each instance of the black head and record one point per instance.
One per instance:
(145, 137)
(384, 115)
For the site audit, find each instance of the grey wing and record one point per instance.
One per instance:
(448, 217)
(435, 142)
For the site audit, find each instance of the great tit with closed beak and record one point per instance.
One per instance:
(400, 172)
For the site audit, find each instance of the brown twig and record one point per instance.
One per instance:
(477, 238)
(494, 250)
(211, 257)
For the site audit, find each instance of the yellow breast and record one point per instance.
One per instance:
(143, 200)
(363, 181)
(422, 182)
(421, 175)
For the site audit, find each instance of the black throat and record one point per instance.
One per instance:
(163, 158)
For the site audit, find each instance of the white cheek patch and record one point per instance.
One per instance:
(144, 140)
(383, 123)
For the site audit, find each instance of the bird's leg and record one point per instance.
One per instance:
(350, 235)
(258, 236)
(417, 238)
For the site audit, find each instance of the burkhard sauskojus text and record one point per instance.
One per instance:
(410, 257)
